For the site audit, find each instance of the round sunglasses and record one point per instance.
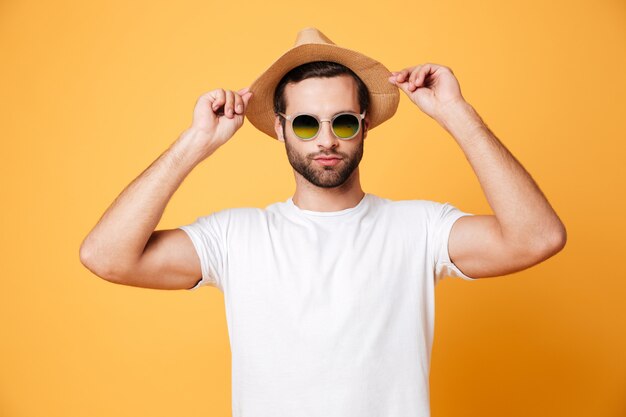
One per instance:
(306, 126)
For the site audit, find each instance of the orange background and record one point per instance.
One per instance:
(92, 92)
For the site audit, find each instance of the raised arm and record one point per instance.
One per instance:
(123, 247)
(524, 230)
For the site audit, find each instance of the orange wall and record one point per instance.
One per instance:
(93, 92)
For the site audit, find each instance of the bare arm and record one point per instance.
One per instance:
(124, 247)
(524, 230)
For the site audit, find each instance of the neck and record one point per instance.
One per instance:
(311, 197)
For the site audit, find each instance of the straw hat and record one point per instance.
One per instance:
(313, 45)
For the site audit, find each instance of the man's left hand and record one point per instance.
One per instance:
(433, 88)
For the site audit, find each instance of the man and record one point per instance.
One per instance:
(329, 294)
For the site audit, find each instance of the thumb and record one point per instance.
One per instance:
(246, 98)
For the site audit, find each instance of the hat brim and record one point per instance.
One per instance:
(384, 96)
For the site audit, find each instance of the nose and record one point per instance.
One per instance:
(326, 138)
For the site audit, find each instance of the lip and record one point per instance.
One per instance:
(328, 161)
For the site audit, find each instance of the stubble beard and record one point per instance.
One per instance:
(324, 176)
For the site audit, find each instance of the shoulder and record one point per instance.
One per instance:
(229, 217)
(428, 213)
(408, 214)
(238, 214)
(408, 206)
(427, 207)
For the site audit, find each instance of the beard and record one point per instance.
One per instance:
(324, 176)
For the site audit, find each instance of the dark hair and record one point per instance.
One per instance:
(314, 69)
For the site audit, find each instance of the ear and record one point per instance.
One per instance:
(278, 129)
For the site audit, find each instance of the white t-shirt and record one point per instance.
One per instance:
(329, 314)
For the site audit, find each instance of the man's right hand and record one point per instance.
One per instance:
(217, 116)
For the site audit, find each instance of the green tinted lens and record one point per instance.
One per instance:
(346, 125)
(305, 126)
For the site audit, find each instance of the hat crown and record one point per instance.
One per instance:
(312, 45)
(311, 35)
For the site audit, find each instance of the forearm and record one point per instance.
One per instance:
(522, 211)
(120, 236)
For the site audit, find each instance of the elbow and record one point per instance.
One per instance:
(88, 257)
(552, 242)
(558, 238)
(561, 237)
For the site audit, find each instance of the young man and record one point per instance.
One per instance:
(329, 294)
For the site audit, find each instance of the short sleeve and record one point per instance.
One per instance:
(442, 221)
(208, 235)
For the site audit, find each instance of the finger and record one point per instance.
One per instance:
(246, 98)
(401, 75)
(428, 68)
(415, 74)
(219, 98)
(243, 91)
(393, 79)
(238, 103)
(207, 98)
(228, 107)
(404, 86)
(400, 78)
(424, 72)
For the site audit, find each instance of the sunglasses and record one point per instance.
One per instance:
(306, 126)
